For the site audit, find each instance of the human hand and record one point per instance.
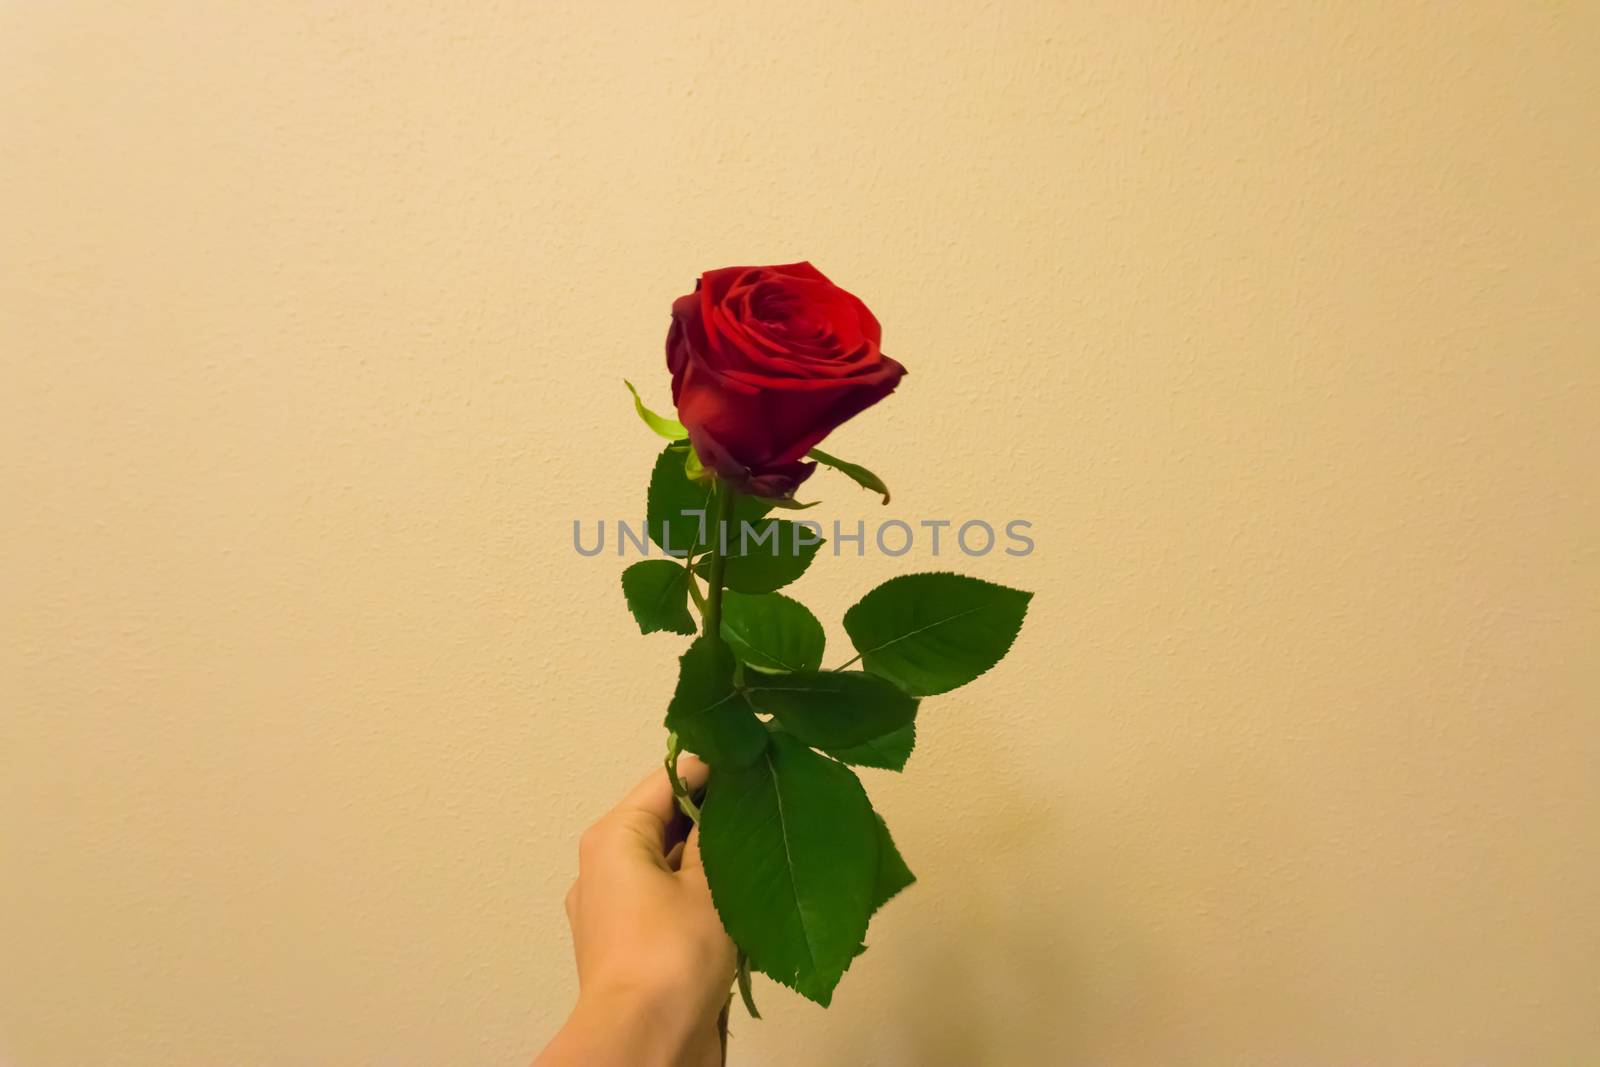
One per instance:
(654, 964)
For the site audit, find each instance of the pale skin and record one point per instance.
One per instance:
(654, 964)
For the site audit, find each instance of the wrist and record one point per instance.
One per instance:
(646, 1027)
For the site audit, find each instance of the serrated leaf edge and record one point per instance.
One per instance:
(835, 753)
(1005, 651)
(824, 999)
(643, 629)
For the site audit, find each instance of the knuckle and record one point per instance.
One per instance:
(590, 840)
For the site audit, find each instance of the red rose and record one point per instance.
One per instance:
(765, 362)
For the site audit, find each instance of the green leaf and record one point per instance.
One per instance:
(832, 709)
(854, 471)
(893, 874)
(765, 560)
(930, 633)
(790, 848)
(679, 511)
(889, 752)
(658, 595)
(771, 632)
(671, 429)
(707, 712)
(671, 495)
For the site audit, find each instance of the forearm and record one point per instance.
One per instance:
(628, 1032)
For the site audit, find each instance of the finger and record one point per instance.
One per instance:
(637, 827)
(653, 798)
(571, 904)
(693, 771)
(691, 853)
(691, 873)
(675, 856)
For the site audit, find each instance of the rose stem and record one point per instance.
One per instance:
(710, 608)
(724, 495)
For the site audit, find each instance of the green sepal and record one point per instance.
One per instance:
(854, 471)
(694, 470)
(671, 429)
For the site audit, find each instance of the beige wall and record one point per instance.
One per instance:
(1278, 320)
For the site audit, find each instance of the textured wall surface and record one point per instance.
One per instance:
(1277, 320)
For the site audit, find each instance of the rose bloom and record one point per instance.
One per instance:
(765, 362)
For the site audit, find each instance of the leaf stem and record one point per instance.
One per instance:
(744, 985)
(680, 792)
(694, 590)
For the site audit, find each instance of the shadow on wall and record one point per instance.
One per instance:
(986, 987)
(1011, 952)
(1032, 961)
